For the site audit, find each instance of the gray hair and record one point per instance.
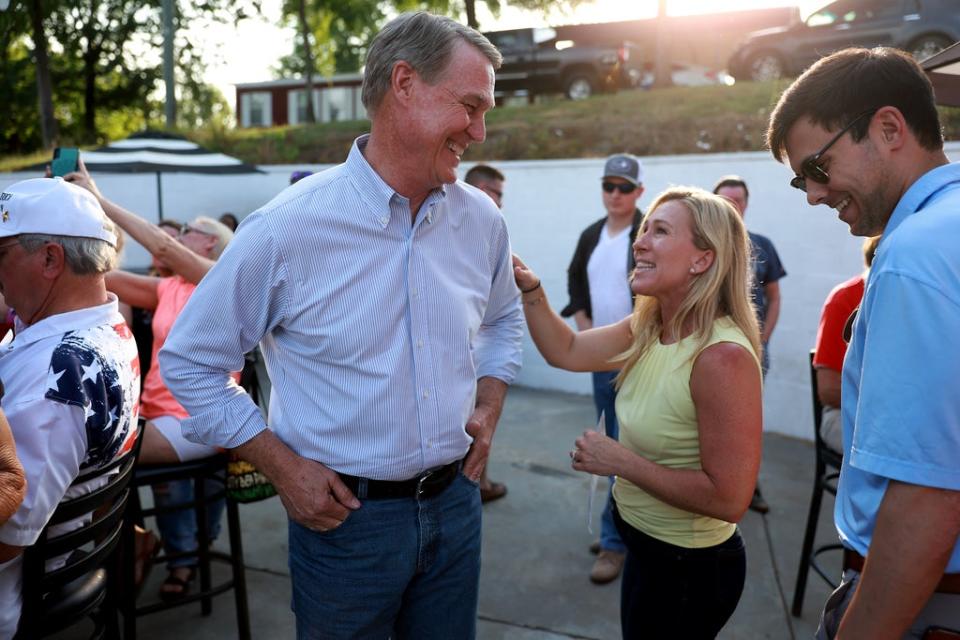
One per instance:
(218, 230)
(84, 256)
(423, 40)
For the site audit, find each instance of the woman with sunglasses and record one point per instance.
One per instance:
(186, 257)
(689, 410)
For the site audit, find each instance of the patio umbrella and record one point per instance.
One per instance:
(943, 69)
(158, 153)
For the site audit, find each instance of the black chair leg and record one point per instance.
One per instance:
(127, 597)
(203, 542)
(808, 537)
(239, 571)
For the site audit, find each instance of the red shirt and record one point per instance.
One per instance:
(830, 347)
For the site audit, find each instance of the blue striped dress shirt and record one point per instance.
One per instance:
(374, 331)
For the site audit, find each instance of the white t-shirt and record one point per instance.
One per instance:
(610, 299)
(72, 388)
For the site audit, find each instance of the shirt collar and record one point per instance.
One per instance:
(63, 322)
(920, 192)
(375, 192)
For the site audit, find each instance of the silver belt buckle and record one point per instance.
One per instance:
(420, 482)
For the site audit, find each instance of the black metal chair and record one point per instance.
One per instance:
(828, 464)
(88, 584)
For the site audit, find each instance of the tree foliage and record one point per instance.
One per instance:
(105, 66)
(341, 30)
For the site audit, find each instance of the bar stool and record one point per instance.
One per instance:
(827, 474)
(213, 469)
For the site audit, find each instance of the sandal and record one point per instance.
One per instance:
(182, 585)
(146, 548)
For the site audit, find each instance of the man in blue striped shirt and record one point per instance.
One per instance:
(381, 292)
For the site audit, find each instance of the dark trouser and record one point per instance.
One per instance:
(674, 592)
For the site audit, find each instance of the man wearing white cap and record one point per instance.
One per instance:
(599, 288)
(70, 374)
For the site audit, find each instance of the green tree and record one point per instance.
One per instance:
(20, 126)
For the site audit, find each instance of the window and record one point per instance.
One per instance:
(297, 106)
(255, 109)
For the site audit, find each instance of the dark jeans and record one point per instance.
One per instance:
(674, 592)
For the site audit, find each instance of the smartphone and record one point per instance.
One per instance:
(64, 161)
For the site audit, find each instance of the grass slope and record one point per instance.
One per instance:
(679, 120)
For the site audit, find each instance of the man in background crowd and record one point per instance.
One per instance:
(599, 288)
(765, 292)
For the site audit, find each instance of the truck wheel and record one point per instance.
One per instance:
(928, 45)
(765, 65)
(579, 87)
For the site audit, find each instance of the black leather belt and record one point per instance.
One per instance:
(949, 582)
(426, 485)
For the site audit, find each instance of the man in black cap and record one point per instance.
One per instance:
(597, 281)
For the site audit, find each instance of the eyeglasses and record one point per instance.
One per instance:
(810, 167)
(622, 187)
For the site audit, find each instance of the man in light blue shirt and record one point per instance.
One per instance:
(861, 131)
(381, 292)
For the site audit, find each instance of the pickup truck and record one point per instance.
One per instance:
(536, 62)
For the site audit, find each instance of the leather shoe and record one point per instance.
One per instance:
(492, 491)
(595, 546)
(607, 566)
(758, 504)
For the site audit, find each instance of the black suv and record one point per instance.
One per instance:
(922, 27)
(535, 61)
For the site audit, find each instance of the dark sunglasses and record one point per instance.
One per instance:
(810, 167)
(622, 187)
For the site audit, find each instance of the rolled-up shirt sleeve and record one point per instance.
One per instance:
(497, 346)
(240, 300)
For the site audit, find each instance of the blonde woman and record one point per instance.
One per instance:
(689, 407)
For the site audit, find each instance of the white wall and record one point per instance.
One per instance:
(547, 204)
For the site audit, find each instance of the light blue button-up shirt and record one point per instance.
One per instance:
(901, 375)
(374, 331)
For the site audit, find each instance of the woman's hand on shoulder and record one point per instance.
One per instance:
(525, 278)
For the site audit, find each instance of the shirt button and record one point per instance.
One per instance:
(384, 220)
(426, 395)
(414, 293)
(420, 344)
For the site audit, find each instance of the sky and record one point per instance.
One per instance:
(247, 52)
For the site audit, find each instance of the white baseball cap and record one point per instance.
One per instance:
(50, 206)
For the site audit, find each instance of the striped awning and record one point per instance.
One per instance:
(158, 152)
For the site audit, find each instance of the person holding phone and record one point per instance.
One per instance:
(688, 453)
(188, 256)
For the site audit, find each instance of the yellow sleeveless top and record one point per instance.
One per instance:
(658, 421)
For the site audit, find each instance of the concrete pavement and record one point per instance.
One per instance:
(534, 582)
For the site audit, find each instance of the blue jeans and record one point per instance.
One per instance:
(396, 568)
(604, 397)
(178, 529)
